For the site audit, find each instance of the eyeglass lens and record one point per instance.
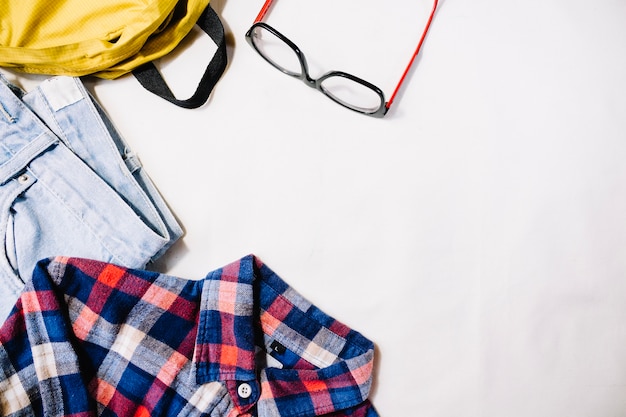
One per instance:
(276, 51)
(344, 90)
(351, 93)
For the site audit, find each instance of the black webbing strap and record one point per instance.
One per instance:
(152, 80)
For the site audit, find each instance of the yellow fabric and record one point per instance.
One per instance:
(107, 38)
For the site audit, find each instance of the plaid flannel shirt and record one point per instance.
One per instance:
(89, 338)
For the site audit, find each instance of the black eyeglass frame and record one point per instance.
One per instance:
(386, 105)
(317, 83)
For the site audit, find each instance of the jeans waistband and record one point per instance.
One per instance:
(22, 135)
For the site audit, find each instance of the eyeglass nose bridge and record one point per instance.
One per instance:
(305, 76)
(304, 68)
(310, 81)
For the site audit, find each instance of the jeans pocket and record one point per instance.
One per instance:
(10, 195)
(71, 211)
(11, 280)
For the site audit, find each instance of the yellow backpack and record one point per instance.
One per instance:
(107, 39)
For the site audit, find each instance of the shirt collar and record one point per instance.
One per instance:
(225, 341)
(244, 304)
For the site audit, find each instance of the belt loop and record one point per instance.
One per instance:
(132, 160)
(6, 114)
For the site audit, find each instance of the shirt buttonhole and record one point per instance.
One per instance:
(277, 347)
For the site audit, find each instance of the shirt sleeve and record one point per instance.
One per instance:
(40, 368)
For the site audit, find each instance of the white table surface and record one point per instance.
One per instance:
(477, 234)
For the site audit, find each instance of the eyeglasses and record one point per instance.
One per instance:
(343, 88)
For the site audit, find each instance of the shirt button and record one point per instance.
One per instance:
(23, 179)
(244, 390)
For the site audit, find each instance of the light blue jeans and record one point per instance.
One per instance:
(70, 186)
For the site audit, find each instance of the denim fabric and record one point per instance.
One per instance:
(70, 186)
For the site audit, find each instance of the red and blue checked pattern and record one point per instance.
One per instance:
(88, 338)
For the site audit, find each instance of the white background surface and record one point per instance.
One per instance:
(477, 234)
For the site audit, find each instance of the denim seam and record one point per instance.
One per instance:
(4, 218)
(60, 133)
(8, 116)
(163, 232)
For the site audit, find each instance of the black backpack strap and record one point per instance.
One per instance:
(152, 80)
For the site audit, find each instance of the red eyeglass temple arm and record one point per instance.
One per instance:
(264, 10)
(417, 50)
